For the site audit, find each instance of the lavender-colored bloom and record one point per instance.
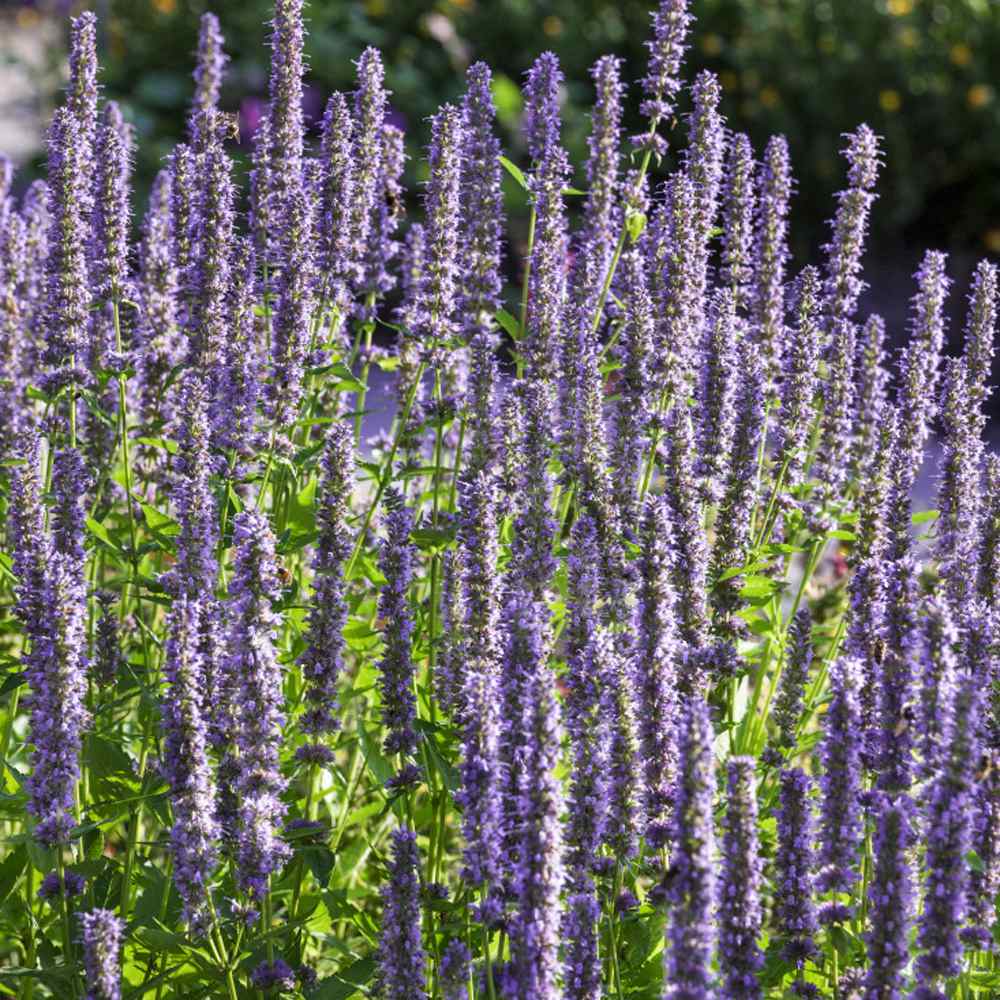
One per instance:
(401, 957)
(662, 83)
(691, 889)
(870, 401)
(56, 672)
(890, 897)
(690, 566)
(478, 677)
(547, 263)
(290, 339)
(896, 689)
(195, 832)
(70, 485)
(920, 360)
(840, 783)
(959, 496)
(655, 652)
(67, 292)
(537, 875)
(948, 836)
(703, 166)
(600, 209)
(339, 250)
(156, 332)
(481, 407)
(831, 467)
(211, 65)
(107, 660)
(184, 208)
(771, 254)
(382, 249)
(27, 541)
(718, 380)
(535, 526)
(984, 879)
(262, 210)
(635, 348)
(399, 707)
(794, 909)
(254, 590)
(448, 669)
(617, 731)
(322, 660)
(195, 569)
(273, 975)
(112, 211)
(740, 911)
(370, 100)
(453, 971)
(585, 821)
(798, 386)
(734, 524)
(788, 702)
(988, 576)
(738, 211)
(71, 885)
(210, 276)
(102, 932)
(439, 287)
(581, 961)
(843, 284)
(81, 96)
(980, 332)
(287, 127)
(482, 204)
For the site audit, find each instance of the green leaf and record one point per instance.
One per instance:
(376, 762)
(320, 861)
(164, 444)
(101, 534)
(515, 171)
(347, 380)
(844, 536)
(429, 539)
(635, 223)
(922, 517)
(157, 521)
(510, 324)
(11, 869)
(347, 983)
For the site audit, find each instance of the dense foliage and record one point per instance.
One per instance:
(615, 666)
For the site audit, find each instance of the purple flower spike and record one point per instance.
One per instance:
(102, 932)
(399, 707)
(662, 83)
(691, 889)
(843, 284)
(771, 254)
(980, 332)
(840, 753)
(194, 835)
(949, 837)
(738, 210)
(82, 94)
(253, 592)
(740, 909)
(339, 251)
(655, 653)
(482, 217)
(717, 393)
(323, 658)
(212, 61)
(287, 128)
(112, 210)
(870, 404)
(794, 909)
(401, 957)
(538, 863)
(454, 971)
(600, 209)
(891, 899)
(582, 962)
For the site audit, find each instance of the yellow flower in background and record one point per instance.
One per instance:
(889, 100)
(900, 8)
(909, 38)
(991, 239)
(165, 6)
(552, 26)
(979, 95)
(770, 97)
(961, 54)
(711, 44)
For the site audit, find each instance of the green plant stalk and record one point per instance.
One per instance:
(67, 937)
(369, 329)
(29, 930)
(616, 975)
(525, 283)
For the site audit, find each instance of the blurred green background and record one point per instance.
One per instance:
(923, 73)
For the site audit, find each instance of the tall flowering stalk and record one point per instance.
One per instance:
(323, 659)
(794, 908)
(253, 592)
(401, 956)
(691, 889)
(102, 933)
(399, 707)
(740, 910)
(739, 203)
